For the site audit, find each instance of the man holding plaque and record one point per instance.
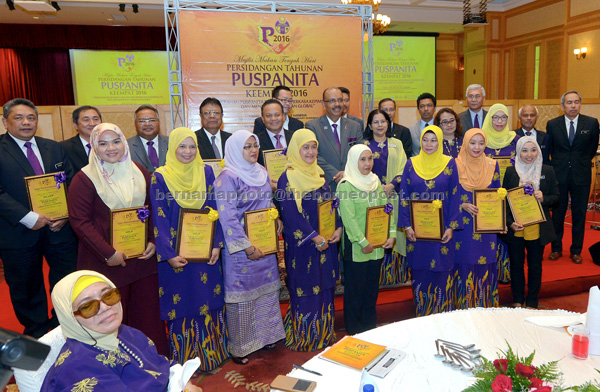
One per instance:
(28, 236)
(148, 147)
(574, 141)
(78, 148)
(336, 134)
(211, 139)
(274, 137)
(284, 95)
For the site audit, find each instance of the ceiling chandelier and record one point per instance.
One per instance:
(380, 22)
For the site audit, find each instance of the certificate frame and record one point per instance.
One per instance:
(377, 219)
(484, 199)
(422, 233)
(188, 217)
(215, 164)
(503, 164)
(268, 241)
(42, 189)
(327, 219)
(274, 163)
(529, 213)
(130, 221)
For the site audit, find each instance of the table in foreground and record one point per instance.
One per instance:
(489, 329)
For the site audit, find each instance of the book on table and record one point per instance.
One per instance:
(354, 353)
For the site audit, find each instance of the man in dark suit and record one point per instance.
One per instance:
(346, 97)
(400, 132)
(28, 237)
(573, 144)
(426, 104)
(284, 95)
(528, 116)
(335, 134)
(274, 136)
(211, 140)
(148, 147)
(474, 116)
(85, 118)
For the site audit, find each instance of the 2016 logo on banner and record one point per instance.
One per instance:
(276, 38)
(126, 63)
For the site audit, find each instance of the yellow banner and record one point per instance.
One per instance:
(120, 78)
(240, 57)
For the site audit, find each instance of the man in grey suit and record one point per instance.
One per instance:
(474, 116)
(426, 103)
(335, 134)
(148, 147)
(346, 97)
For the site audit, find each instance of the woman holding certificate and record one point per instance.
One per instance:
(539, 182)
(109, 183)
(252, 282)
(370, 228)
(191, 294)
(448, 121)
(429, 213)
(389, 159)
(311, 232)
(501, 145)
(476, 268)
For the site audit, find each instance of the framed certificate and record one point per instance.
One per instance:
(128, 233)
(503, 163)
(377, 229)
(426, 221)
(525, 208)
(327, 218)
(492, 211)
(216, 165)
(195, 235)
(46, 198)
(261, 230)
(275, 162)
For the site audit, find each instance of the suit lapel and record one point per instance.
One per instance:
(163, 145)
(140, 152)
(13, 149)
(265, 141)
(80, 150)
(344, 136)
(47, 161)
(288, 136)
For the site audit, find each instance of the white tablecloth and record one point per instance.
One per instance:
(489, 329)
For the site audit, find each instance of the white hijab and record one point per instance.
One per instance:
(252, 174)
(367, 183)
(529, 173)
(61, 299)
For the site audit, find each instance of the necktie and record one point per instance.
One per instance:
(476, 122)
(89, 149)
(571, 133)
(278, 144)
(528, 133)
(152, 154)
(337, 137)
(426, 125)
(215, 148)
(33, 160)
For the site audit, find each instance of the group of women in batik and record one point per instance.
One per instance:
(229, 306)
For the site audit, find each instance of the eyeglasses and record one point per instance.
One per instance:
(91, 308)
(285, 100)
(211, 113)
(474, 96)
(147, 121)
(500, 118)
(334, 101)
(251, 146)
(448, 122)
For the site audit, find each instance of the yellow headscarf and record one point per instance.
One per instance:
(474, 173)
(303, 177)
(497, 139)
(429, 166)
(120, 184)
(186, 181)
(62, 299)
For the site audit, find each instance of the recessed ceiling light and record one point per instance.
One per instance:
(109, 19)
(36, 17)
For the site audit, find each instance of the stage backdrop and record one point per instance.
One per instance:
(239, 57)
(404, 67)
(120, 77)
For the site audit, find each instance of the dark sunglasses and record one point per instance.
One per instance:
(91, 308)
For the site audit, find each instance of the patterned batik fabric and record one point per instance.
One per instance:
(433, 292)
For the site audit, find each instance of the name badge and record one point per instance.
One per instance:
(542, 177)
(585, 131)
(392, 145)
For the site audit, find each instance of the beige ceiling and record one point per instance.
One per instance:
(442, 16)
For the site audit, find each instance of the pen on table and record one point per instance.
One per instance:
(306, 370)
